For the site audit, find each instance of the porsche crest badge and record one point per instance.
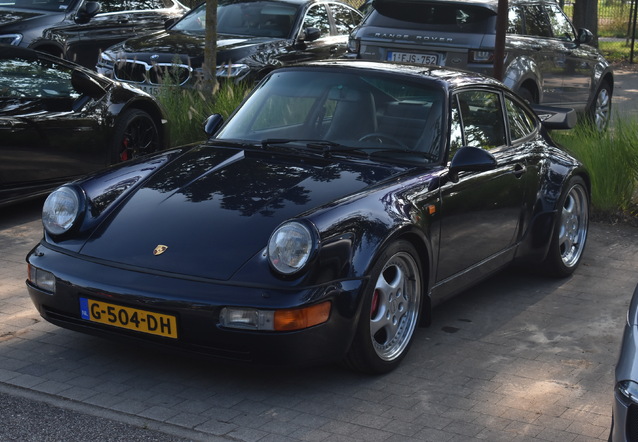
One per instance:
(159, 249)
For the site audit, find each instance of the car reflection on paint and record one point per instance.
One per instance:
(322, 222)
(59, 121)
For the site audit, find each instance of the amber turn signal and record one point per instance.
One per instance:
(297, 319)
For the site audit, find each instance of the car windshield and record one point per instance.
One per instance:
(257, 19)
(38, 5)
(373, 113)
(448, 17)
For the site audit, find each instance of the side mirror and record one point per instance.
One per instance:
(556, 118)
(584, 36)
(471, 159)
(311, 34)
(86, 85)
(87, 12)
(212, 124)
(170, 22)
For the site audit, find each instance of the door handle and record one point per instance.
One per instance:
(519, 170)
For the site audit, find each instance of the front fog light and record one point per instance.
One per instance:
(275, 320)
(42, 279)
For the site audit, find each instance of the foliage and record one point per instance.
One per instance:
(612, 160)
(187, 109)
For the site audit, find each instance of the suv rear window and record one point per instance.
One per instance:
(438, 16)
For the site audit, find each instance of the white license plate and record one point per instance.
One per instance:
(407, 57)
(151, 90)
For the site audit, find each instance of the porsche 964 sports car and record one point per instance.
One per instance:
(322, 222)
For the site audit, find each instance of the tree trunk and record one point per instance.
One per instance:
(209, 83)
(586, 16)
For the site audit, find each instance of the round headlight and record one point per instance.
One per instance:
(60, 210)
(290, 247)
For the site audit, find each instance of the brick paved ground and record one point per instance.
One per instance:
(516, 358)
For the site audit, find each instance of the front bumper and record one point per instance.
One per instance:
(196, 304)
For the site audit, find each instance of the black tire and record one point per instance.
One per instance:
(390, 311)
(570, 230)
(527, 95)
(135, 134)
(599, 113)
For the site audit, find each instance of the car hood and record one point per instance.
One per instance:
(165, 46)
(12, 18)
(215, 208)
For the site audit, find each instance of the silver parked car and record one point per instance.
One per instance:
(547, 61)
(624, 426)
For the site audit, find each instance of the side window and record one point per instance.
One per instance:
(520, 122)
(536, 23)
(317, 17)
(561, 27)
(345, 20)
(456, 129)
(515, 21)
(22, 78)
(482, 119)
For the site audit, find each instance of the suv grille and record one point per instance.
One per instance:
(140, 72)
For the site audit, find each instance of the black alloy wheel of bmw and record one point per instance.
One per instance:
(390, 312)
(136, 134)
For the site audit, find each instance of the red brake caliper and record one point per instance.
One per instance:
(124, 153)
(374, 308)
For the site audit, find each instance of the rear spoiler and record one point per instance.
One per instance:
(554, 118)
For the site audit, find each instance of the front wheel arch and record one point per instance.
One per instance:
(390, 309)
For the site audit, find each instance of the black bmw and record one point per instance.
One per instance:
(322, 222)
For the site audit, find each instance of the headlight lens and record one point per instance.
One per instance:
(232, 70)
(11, 39)
(629, 391)
(290, 247)
(60, 210)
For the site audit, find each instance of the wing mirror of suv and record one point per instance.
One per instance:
(310, 34)
(212, 124)
(87, 11)
(170, 22)
(471, 159)
(584, 36)
(556, 118)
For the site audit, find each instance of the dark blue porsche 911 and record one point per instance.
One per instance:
(322, 222)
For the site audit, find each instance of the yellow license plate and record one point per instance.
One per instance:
(129, 318)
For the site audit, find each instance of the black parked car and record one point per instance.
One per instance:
(546, 60)
(59, 121)
(253, 37)
(79, 29)
(323, 221)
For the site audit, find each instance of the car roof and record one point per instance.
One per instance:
(489, 4)
(453, 78)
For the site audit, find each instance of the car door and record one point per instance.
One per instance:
(480, 211)
(329, 44)
(574, 62)
(44, 139)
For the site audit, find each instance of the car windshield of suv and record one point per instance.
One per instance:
(372, 113)
(38, 5)
(438, 16)
(257, 19)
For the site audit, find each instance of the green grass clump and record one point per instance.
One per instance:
(612, 160)
(187, 109)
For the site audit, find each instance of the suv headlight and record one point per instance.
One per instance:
(291, 246)
(61, 210)
(11, 39)
(232, 70)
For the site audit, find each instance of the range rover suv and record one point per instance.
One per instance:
(547, 61)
